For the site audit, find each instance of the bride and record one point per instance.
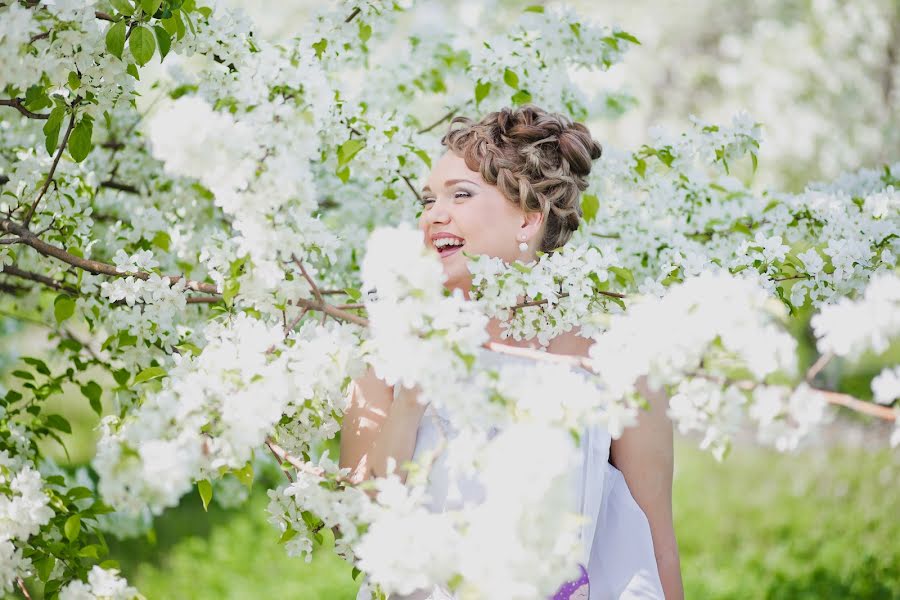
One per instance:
(510, 185)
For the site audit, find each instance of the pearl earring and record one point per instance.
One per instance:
(523, 246)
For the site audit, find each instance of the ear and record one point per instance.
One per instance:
(531, 225)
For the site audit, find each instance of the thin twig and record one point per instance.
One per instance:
(59, 152)
(122, 187)
(817, 366)
(353, 14)
(22, 587)
(309, 280)
(332, 311)
(294, 321)
(411, 187)
(447, 116)
(15, 271)
(275, 454)
(17, 104)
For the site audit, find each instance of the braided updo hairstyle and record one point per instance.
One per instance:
(537, 159)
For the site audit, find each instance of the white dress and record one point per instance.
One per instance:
(618, 548)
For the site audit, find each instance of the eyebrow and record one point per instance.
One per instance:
(450, 182)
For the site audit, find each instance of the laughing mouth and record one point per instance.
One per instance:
(446, 246)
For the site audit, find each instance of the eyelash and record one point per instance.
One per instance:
(425, 201)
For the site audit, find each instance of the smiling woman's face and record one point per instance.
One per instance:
(460, 205)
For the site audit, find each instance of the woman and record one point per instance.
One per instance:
(508, 186)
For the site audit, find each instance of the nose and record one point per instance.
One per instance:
(436, 213)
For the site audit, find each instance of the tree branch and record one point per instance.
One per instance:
(122, 187)
(92, 266)
(17, 104)
(59, 286)
(411, 187)
(309, 280)
(450, 114)
(62, 147)
(352, 15)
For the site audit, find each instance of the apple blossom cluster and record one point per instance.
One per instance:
(24, 510)
(689, 217)
(313, 501)
(214, 410)
(102, 584)
(534, 56)
(494, 548)
(570, 281)
(725, 325)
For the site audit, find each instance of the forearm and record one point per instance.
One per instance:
(396, 439)
(668, 564)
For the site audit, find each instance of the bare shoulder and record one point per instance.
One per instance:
(570, 343)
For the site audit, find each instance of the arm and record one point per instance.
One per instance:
(376, 428)
(644, 455)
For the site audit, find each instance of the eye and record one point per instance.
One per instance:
(464, 194)
(425, 201)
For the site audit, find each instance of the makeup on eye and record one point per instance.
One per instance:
(456, 194)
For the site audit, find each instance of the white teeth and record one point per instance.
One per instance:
(441, 242)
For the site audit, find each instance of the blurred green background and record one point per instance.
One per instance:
(818, 524)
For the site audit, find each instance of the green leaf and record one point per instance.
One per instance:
(149, 373)
(58, 422)
(230, 290)
(63, 307)
(320, 47)
(131, 69)
(245, 475)
(142, 44)
(72, 527)
(511, 79)
(755, 162)
(115, 39)
(348, 150)
(536, 8)
(289, 534)
(624, 35)
(590, 204)
(74, 80)
(520, 267)
(92, 392)
(481, 91)
(45, 566)
(623, 275)
(52, 127)
(164, 40)
(123, 6)
(39, 365)
(343, 174)
(424, 156)
(91, 551)
(521, 97)
(80, 140)
(150, 6)
(121, 376)
(162, 240)
(205, 489)
(365, 32)
(23, 375)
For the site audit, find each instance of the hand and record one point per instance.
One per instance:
(409, 397)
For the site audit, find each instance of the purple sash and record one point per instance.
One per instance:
(574, 590)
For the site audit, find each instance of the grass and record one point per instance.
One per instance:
(819, 524)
